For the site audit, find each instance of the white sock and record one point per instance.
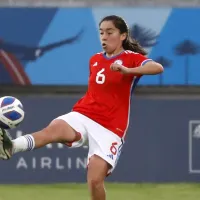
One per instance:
(23, 143)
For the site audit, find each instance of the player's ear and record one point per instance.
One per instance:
(123, 36)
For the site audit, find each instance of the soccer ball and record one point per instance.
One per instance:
(11, 112)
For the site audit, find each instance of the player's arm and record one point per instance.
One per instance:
(149, 68)
(141, 66)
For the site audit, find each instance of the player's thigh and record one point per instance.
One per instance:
(77, 124)
(58, 131)
(97, 170)
(104, 144)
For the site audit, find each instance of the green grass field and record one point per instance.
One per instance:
(114, 191)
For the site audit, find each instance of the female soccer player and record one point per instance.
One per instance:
(99, 119)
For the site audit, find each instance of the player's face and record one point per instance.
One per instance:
(111, 38)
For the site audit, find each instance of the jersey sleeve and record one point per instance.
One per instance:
(139, 60)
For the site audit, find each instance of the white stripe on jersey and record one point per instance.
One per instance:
(130, 52)
(145, 61)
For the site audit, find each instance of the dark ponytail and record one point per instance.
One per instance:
(129, 43)
(132, 44)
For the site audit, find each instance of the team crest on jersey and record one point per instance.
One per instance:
(118, 62)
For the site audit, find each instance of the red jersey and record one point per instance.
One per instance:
(107, 100)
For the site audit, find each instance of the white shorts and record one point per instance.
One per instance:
(100, 140)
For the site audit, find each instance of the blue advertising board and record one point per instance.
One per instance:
(162, 144)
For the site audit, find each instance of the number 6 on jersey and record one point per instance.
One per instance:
(100, 77)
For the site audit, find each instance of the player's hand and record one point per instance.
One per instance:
(119, 68)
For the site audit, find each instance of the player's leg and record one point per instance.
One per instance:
(58, 131)
(104, 151)
(97, 172)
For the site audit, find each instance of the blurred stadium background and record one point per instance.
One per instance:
(38, 64)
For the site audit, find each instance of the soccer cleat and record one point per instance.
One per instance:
(5, 145)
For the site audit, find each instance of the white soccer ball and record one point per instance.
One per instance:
(11, 112)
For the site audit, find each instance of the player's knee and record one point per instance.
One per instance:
(95, 182)
(53, 127)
